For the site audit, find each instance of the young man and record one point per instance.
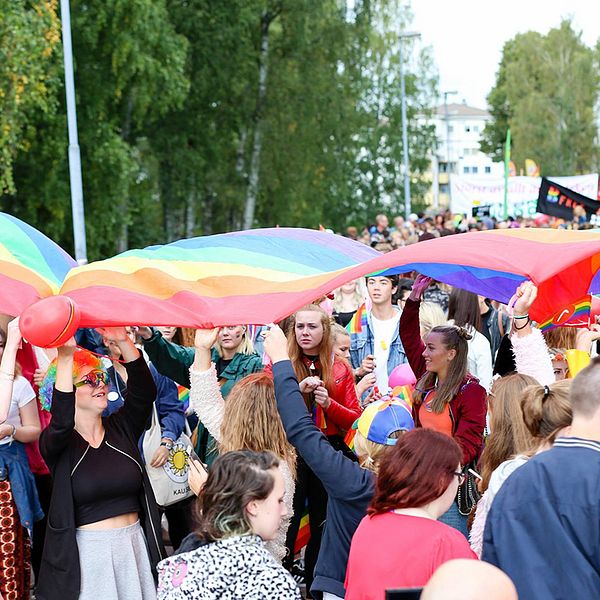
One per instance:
(543, 529)
(375, 344)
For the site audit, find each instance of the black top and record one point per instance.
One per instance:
(105, 484)
(62, 448)
(343, 318)
(222, 364)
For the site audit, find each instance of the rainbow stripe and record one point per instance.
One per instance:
(359, 320)
(31, 265)
(183, 395)
(575, 315)
(303, 532)
(256, 276)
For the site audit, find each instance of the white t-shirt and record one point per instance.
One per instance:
(383, 334)
(22, 394)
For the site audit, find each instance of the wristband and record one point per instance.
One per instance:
(521, 316)
(523, 327)
(167, 445)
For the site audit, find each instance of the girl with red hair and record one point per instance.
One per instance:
(400, 543)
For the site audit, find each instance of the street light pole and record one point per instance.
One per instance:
(74, 154)
(407, 202)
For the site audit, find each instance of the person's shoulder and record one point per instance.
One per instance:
(22, 390)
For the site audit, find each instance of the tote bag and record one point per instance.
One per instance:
(169, 482)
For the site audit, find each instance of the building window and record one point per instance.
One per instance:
(488, 170)
(444, 188)
(443, 167)
(450, 129)
(467, 128)
(476, 129)
(474, 170)
(466, 170)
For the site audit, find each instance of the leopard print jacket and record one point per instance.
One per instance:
(236, 568)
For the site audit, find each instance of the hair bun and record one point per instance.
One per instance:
(463, 333)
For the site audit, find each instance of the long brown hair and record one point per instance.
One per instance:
(325, 348)
(463, 308)
(234, 480)
(453, 338)
(251, 420)
(509, 436)
(561, 337)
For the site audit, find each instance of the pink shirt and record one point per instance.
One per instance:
(394, 551)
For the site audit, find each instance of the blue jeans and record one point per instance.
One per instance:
(453, 518)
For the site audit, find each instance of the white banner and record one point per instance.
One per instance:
(469, 192)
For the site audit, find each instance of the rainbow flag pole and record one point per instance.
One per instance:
(506, 169)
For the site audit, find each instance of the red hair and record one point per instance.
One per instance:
(416, 471)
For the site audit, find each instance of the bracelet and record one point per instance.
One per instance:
(521, 316)
(523, 327)
(6, 375)
(167, 445)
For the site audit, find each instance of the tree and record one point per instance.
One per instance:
(546, 90)
(29, 35)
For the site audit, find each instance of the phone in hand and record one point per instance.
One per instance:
(194, 459)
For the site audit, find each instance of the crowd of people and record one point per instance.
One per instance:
(398, 435)
(385, 236)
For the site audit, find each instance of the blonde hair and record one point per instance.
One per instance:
(246, 346)
(547, 409)
(358, 296)
(509, 435)
(430, 315)
(371, 451)
(337, 331)
(251, 420)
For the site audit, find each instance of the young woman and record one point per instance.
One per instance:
(464, 311)
(341, 349)
(240, 506)
(447, 398)
(19, 502)
(349, 484)
(400, 543)
(103, 535)
(346, 301)
(546, 413)
(234, 358)
(248, 420)
(334, 407)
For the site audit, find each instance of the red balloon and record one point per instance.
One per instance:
(50, 322)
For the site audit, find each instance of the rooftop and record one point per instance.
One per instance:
(461, 110)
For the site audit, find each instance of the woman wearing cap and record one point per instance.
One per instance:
(447, 398)
(349, 485)
(103, 535)
(400, 543)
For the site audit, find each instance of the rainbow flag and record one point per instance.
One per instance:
(183, 394)
(303, 532)
(572, 315)
(358, 321)
(31, 265)
(318, 415)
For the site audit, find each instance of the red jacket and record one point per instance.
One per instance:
(344, 408)
(467, 409)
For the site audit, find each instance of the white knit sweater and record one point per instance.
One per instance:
(207, 401)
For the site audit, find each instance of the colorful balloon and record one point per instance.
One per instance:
(50, 322)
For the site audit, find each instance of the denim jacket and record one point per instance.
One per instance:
(362, 344)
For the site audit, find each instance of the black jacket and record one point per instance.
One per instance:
(63, 448)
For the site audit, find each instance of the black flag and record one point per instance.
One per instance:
(559, 201)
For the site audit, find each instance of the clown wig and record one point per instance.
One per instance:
(82, 360)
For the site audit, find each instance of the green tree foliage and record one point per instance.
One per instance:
(185, 112)
(29, 35)
(546, 90)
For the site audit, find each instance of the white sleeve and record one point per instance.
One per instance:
(206, 399)
(22, 392)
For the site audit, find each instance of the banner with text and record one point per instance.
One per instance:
(559, 201)
(470, 192)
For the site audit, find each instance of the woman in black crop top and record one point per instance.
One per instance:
(103, 538)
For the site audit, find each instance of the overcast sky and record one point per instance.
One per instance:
(467, 36)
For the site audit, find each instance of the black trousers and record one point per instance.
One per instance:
(180, 520)
(310, 491)
(43, 483)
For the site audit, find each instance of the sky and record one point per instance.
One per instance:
(467, 36)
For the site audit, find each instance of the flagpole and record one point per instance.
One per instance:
(506, 168)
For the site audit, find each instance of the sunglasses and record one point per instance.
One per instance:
(94, 379)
